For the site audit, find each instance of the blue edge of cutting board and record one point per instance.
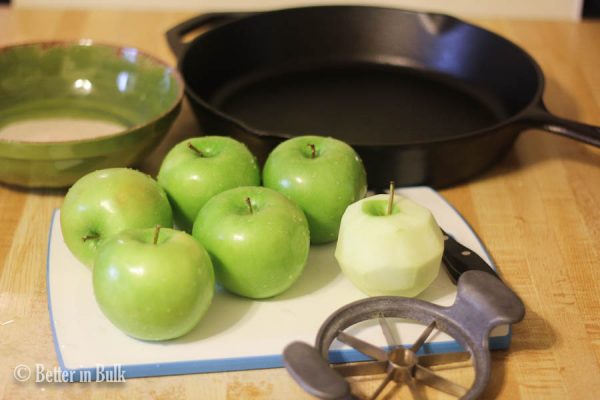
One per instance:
(242, 363)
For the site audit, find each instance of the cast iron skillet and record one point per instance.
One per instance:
(424, 98)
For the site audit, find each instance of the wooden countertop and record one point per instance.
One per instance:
(538, 211)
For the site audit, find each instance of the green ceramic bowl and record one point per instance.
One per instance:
(70, 108)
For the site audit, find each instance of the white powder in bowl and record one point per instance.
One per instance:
(58, 129)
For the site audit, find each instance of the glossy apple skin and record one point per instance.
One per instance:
(256, 254)
(396, 255)
(322, 186)
(153, 291)
(191, 179)
(105, 202)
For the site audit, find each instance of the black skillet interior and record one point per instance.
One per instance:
(369, 76)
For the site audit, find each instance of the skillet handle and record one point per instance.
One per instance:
(204, 21)
(539, 116)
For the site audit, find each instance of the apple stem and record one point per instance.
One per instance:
(313, 150)
(90, 237)
(249, 203)
(391, 200)
(156, 232)
(195, 149)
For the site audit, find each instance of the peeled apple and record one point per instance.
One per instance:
(397, 254)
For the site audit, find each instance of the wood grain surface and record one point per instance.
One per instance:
(538, 211)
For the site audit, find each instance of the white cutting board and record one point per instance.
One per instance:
(236, 333)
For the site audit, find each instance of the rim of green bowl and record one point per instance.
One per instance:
(88, 43)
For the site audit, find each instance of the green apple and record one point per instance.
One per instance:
(322, 175)
(397, 253)
(257, 238)
(197, 169)
(104, 202)
(151, 284)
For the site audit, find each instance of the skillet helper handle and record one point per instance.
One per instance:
(460, 259)
(540, 117)
(176, 34)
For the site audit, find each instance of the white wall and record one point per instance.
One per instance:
(549, 9)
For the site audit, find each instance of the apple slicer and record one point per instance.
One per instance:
(482, 303)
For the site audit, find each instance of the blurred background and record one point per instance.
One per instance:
(534, 9)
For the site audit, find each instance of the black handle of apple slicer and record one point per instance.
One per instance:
(459, 259)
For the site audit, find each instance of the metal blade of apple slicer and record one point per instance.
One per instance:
(482, 303)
